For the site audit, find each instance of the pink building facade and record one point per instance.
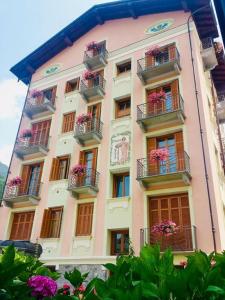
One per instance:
(91, 188)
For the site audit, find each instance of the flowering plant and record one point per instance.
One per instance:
(78, 170)
(84, 118)
(15, 181)
(166, 228)
(92, 46)
(79, 291)
(153, 51)
(42, 286)
(156, 97)
(35, 93)
(159, 155)
(26, 133)
(89, 75)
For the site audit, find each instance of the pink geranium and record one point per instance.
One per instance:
(153, 51)
(161, 154)
(166, 228)
(156, 97)
(16, 181)
(89, 75)
(83, 118)
(26, 133)
(78, 170)
(35, 93)
(92, 46)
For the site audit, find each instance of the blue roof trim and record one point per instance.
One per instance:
(97, 15)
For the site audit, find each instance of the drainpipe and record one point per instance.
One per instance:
(17, 134)
(200, 125)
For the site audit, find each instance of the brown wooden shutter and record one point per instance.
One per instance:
(95, 155)
(54, 170)
(82, 157)
(54, 94)
(68, 122)
(149, 60)
(84, 219)
(153, 167)
(60, 210)
(175, 94)
(25, 176)
(22, 226)
(172, 52)
(180, 150)
(41, 132)
(45, 223)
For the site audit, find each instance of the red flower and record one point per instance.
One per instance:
(183, 263)
(155, 50)
(89, 75)
(66, 286)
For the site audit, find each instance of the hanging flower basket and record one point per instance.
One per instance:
(78, 170)
(16, 181)
(26, 133)
(153, 51)
(166, 228)
(159, 155)
(36, 93)
(156, 97)
(92, 46)
(84, 118)
(89, 75)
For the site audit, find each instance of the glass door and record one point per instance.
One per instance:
(170, 165)
(34, 181)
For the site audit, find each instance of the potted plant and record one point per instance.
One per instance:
(92, 46)
(16, 181)
(78, 170)
(26, 134)
(84, 118)
(156, 97)
(89, 75)
(165, 228)
(161, 154)
(153, 51)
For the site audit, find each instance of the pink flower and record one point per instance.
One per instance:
(35, 93)
(26, 133)
(84, 118)
(156, 97)
(42, 286)
(161, 154)
(212, 263)
(15, 181)
(66, 286)
(166, 228)
(78, 170)
(89, 75)
(92, 45)
(155, 50)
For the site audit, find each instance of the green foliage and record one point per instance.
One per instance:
(75, 277)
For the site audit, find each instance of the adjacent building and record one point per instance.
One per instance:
(121, 130)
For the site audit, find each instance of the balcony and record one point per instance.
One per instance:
(208, 54)
(89, 132)
(35, 106)
(19, 194)
(36, 146)
(170, 110)
(84, 184)
(175, 168)
(165, 64)
(96, 58)
(183, 240)
(220, 107)
(92, 89)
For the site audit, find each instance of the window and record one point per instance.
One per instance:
(51, 224)
(31, 179)
(22, 226)
(68, 122)
(60, 168)
(123, 67)
(119, 242)
(72, 85)
(123, 108)
(121, 185)
(50, 94)
(84, 219)
(40, 133)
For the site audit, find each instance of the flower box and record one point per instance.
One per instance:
(159, 155)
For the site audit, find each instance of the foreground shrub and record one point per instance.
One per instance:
(150, 276)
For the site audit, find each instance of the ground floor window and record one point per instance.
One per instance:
(119, 242)
(22, 226)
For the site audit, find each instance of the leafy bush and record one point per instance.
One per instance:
(150, 276)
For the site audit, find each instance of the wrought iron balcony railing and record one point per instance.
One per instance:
(172, 104)
(220, 107)
(96, 58)
(36, 106)
(94, 87)
(91, 130)
(207, 43)
(183, 240)
(176, 163)
(83, 183)
(167, 61)
(208, 53)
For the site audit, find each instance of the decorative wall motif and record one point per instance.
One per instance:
(159, 26)
(120, 149)
(52, 69)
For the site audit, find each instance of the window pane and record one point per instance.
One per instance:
(127, 185)
(119, 186)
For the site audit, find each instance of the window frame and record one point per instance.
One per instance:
(20, 224)
(80, 233)
(122, 113)
(115, 184)
(113, 245)
(47, 222)
(68, 85)
(121, 64)
(55, 167)
(67, 124)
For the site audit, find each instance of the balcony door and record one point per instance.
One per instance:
(95, 111)
(171, 103)
(89, 159)
(31, 178)
(40, 133)
(174, 208)
(175, 161)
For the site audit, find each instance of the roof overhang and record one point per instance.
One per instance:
(98, 14)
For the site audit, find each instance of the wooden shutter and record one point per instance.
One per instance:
(41, 132)
(25, 176)
(68, 122)
(175, 94)
(180, 151)
(153, 167)
(149, 61)
(172, 52)
(95, 155)
(95, 110)
(84, 219)
(54, 170)
(45, 224)
(53, 94)
(22, 226)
